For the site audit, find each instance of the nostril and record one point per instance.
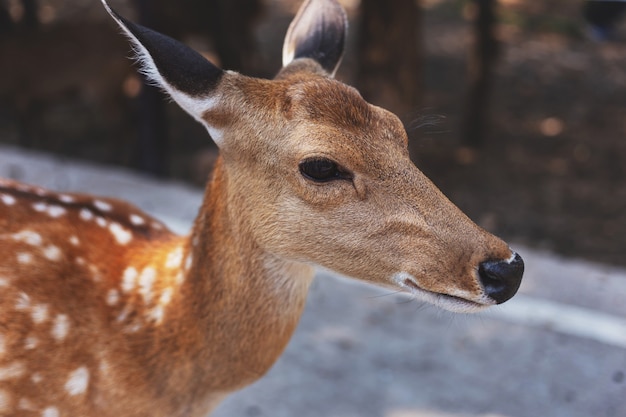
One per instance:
(501, 279)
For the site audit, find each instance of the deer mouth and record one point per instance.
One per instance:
(446, 301)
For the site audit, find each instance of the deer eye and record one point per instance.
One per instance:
(322, 170)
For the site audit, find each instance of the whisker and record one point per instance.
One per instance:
(427, 123)
(371, 297)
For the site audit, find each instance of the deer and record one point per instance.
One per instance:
(105, 312)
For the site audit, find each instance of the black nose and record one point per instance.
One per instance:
(501, 279)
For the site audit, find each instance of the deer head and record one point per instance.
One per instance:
(316, 175)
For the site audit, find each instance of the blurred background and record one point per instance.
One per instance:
(516, 109)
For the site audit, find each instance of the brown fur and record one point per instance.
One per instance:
(105, 313)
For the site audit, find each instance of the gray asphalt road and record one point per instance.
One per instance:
(558, 349)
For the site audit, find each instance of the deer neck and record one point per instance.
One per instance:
(246, 302)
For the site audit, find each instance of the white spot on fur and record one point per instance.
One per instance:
(86, 215)
(157, 314)
(146, 281)
(3, 345)
(102, 205)
(81, 261)
(157, 226)
(166, 296)
(52, 211)
(137, 220)
(39, 313)
(189, 262)
(180, 278)
(113, 297)
(40, 207)
(66, 198)
(23, 302)
(31, 342)
(56, 211)
(174, 258)
(8, 200)
(95, 273)
(123, 314)
(78, 381)
(24, 258)
(4, 282)
(50, 412)
(36, 378)
(52, 252)
(12, 371)
(60, 327)
(129, 279)
(133, 328)
(29, 237)
(74, 240)
(121, 235)
(101, 221)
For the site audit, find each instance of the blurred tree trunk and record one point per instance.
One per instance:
(389, 55)
(482, 60)
(31, 14)
(6, 23)
(29, 20)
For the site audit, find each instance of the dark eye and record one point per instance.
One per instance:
(322, 170)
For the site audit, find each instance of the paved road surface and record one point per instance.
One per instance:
(558, 349)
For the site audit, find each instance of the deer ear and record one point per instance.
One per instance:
(318, 32)
(189, 78)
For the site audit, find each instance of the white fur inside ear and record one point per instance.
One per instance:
(289, 50)
(195, 106)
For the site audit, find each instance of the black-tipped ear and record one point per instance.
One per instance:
(189, 78)
(165, 59)
(182, 67)
(318, 32)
